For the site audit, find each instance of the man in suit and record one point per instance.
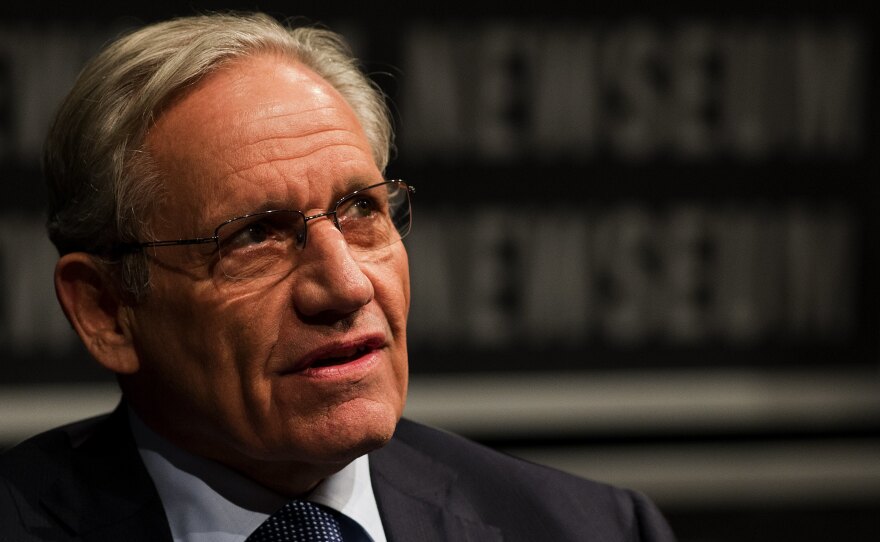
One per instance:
(230, 249)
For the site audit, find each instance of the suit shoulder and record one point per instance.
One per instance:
(38, 461)
(463, 454)
(507, 489)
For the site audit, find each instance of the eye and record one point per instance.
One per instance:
(260, 230)
(361, 207)
(252, 234)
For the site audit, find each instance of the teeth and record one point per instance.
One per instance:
(342, 357)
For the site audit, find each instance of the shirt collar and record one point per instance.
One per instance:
(205, 501)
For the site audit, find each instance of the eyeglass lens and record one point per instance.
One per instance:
(266, 243)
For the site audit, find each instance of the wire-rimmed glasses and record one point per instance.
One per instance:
(264, 243)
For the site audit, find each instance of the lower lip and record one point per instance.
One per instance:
(353, 369)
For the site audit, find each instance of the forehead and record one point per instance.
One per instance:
(261, 131)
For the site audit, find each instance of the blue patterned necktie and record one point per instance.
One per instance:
(299, 521)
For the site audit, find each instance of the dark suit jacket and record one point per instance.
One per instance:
(86, 482)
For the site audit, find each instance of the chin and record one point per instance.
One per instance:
(350, 432)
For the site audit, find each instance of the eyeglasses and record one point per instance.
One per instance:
(263, 244)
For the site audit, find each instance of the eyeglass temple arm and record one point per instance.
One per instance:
(168, 243)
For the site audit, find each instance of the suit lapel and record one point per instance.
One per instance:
(109, 495)
(417, 499)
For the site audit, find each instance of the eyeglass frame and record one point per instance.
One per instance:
(133, 247)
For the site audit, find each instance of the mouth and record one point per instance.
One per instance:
(346, 356)
(338, 354)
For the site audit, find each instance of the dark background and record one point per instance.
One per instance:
(660, 225)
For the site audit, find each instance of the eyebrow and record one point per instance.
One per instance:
(351, 185)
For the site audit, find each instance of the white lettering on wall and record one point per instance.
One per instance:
(688, 274)
(40, 64)
(635, 90)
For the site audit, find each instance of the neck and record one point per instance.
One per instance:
(288, 479)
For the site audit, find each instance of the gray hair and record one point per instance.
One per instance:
(101, 180)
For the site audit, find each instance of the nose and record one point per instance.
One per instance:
(329, 283)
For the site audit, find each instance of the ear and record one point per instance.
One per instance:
(91, 301)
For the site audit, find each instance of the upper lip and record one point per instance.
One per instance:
(340, 351)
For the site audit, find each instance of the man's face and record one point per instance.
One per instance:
(309, 367)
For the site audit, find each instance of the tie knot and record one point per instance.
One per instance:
(299, 521)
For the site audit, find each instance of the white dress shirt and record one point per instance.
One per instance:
(207, 502)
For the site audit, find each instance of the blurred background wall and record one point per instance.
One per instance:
(645, 248)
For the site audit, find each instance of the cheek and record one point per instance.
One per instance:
(214, 370)
(390, 278)
(210, 337)
(405, 279)
(246, 330)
